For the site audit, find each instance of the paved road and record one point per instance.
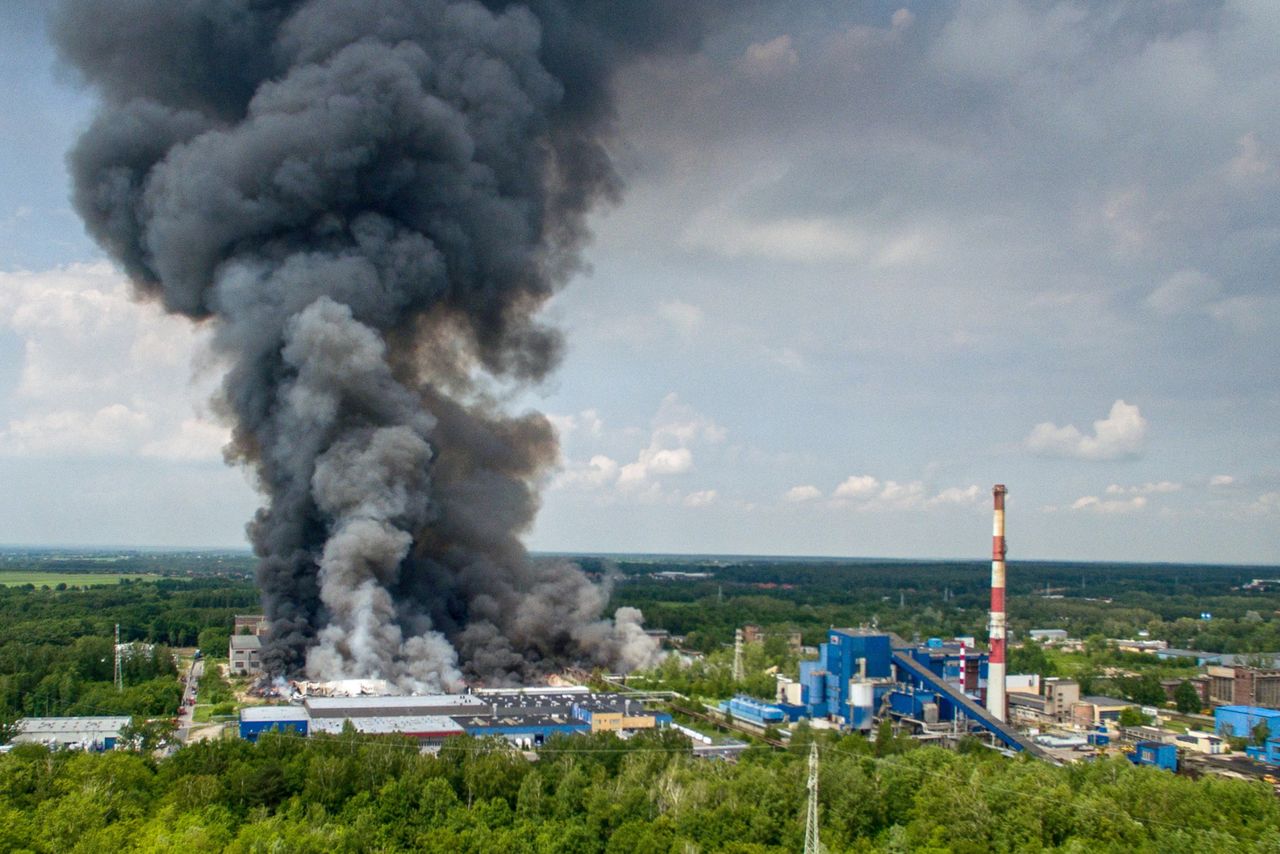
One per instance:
(189, 698)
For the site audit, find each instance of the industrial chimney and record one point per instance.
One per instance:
(995, 665)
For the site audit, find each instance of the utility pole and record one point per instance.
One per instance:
(811, 843)
(119, 674)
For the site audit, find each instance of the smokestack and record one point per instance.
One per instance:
(995, 665)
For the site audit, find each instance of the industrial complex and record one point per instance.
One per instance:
(857, 679)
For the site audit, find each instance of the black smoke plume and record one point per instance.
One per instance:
(369, 200)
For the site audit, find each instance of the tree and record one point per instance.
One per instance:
(147, 735)
(1261, 733)
(1030, 658)
(1186, 698)
(1133, 716)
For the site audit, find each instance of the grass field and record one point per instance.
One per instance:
(19, 577)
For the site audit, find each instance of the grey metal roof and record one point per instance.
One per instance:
(70, 729)
(408, 724)
(249, 642)
(254, 714)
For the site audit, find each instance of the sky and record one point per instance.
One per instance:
(871, 259)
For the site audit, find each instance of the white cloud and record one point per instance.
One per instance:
(799, 494)
(600, 471)
(1268, 502)
(1093, 504)
(656, 461)
(684, 317)
(857, 486)
(93, 359)
(1251, 164)
(765, 59)
(587, 422)
(196, 440)
(1186, 290)
(701, 498)
(1160, 488)
(111, 430)
(1121, 434)
(1220, 480)
(676, 428)
(957, 496)
(868, 493)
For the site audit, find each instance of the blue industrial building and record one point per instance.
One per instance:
(255, 720)
(1241, 721)
(1268, 753)
(753, 711)
(1155, 754)
(863, 674)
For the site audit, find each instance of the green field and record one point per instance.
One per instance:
(17, 578)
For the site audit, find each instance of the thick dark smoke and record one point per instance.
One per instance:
(370, 200)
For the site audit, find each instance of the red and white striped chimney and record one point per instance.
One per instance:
(995, 664)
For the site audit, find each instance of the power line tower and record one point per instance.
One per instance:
(811, 843)
(119, 674)
(739, 672)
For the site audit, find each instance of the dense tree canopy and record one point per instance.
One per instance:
(601, 794)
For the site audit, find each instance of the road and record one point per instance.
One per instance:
(189, 698)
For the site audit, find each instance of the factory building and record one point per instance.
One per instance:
(526, 717)
(1268, 752)
(76, 733)
(1241, 721)
(1238, 685)
(861, 675)
(1096, 711)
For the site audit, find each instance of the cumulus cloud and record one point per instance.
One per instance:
(957, 496)
(111, 430)
(92, 358)
(1120, 435)
(772, 57)
(1160, 488)
(1094, 504)
(587, 422)
(701, 498)
(683, 317)
(598, 472)
(866, 492)
(656, 461)
(676, 429)
(857, 486)
(1221, 480)
(800, 494)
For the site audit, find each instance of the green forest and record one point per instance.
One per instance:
(646, 795)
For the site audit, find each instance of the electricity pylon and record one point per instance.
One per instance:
(811, 843)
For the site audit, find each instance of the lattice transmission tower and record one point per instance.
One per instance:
(811, 843)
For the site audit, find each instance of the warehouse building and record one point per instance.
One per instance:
(527, 717)
(76, 733)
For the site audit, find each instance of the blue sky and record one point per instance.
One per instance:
(872, 259)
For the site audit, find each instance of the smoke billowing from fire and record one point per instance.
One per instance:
(370, 200)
